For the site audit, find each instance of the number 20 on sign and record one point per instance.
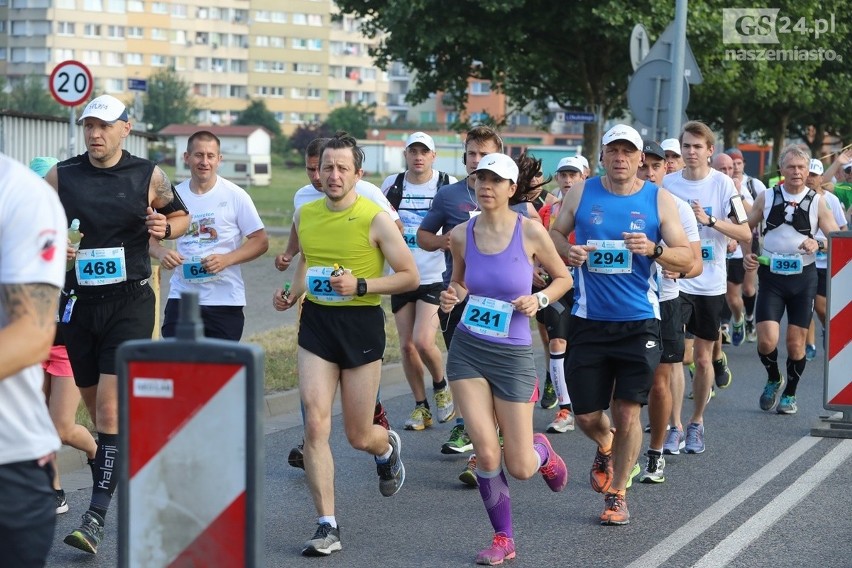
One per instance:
(71, 83)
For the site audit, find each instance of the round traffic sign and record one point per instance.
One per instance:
(71, 83)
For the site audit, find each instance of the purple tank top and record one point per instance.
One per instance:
(501, 276)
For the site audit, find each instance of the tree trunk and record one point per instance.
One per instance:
(818, 140)
(779, 137)
(731, 126)
(592, 132)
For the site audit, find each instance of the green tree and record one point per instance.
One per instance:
(578, 59)
(256, 113)
(354, 119)
(303, 135)
(168, 100)
(30, 95)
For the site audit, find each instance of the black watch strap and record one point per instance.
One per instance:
(361, 287)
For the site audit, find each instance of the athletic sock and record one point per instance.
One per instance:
(748, 303)
(770, 362)
(794, 373)
(543, 454)
(422, 403)
(439, 386)
(494, 491)
(330, 519)
(557, 373)
(106, 473)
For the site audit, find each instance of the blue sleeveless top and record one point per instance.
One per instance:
(501, 276)
(602, 215)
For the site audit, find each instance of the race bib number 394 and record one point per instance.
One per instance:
(487, 316)
(611, 257)
(99, 267)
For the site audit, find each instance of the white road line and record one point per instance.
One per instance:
(741, 538)
(679, 539)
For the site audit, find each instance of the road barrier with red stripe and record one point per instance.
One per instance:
(191, 433)
(838, 332)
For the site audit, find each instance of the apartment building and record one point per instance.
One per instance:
(302, 57)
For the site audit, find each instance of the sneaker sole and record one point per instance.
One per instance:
(778, 410)
(313, 551)
(63, 508)
(448, 418)
(417, 427)
(694, 451)
(729, 376)
(637, 469)
(468, 478)
(509, 556)
(445, 449)
(78, 541)
(650, 479)
(611, 523)
(559, 429)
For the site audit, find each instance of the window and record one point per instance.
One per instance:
(179, 10)
(299, 43)
(200, 89)
(261, 66)
(299, 19)
(136, 32)
(238, 66)
(368, 73)
(297, 93)
(278, 67)
(135, 6)
(240, 167)
(315, 44)
(92, 30)
(91, 57)
(427, 117)
(277, 42)
(179, 36)
(159, 8)
(158, 60)
(93, 5)
(159, 33)
(30, 55)
(115, 32)
(30, 28)
(480, 88)
(314, 20)
(116, 6)
(279, 17)
(60, 55)
(452, 118)
(180, 63)
(261, 16)
(307, 68)
(66, 4)
(261, 169)
(238, 91)
(133, 59)
(114, 59)
(217, 65)
(261, 41)
(114, 85)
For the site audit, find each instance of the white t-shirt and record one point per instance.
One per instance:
(839, 217)
(784, 239)
(747, 198)
(756, 184)
(416, 202)
(221, 219)
(714, 193)
(33, 234)
(309, 193)
(670, 289)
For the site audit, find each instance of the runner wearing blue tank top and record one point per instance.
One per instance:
(614, 332)
(490, 364)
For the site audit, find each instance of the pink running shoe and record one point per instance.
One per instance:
(555, 472)
(502, 548)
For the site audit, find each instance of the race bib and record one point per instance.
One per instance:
(785, 264)
(611, 257)
(708, 251)
(99, 267)
(410, 236)
(318, 282)
(487, 316)
(194, 271)
(821, 255)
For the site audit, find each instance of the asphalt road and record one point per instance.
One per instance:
(765, 493)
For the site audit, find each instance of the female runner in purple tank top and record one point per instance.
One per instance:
(490, 366)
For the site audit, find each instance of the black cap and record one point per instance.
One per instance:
(651, 147)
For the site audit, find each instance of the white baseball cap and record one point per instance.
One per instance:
(816, 167)
(623, 132)
(106, 108)
(671, 145)
(421, 138)
(571, 163)
(584, 161)
(500, 164)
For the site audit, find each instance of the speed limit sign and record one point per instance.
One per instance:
(71, 83)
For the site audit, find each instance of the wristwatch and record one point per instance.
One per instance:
(711, 221)
(658, 252)
(361, 287)
(543, 300)
(820, 244)
(168, 232)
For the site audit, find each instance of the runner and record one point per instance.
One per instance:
(490, 364)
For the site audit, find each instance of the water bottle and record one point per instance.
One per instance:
(74, 237)
(764, 260)
(285, 295)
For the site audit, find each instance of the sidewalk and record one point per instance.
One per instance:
(281, 412)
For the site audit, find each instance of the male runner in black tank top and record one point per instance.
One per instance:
(115, 196)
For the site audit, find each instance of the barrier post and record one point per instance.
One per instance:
(838, 338)
(191, 481)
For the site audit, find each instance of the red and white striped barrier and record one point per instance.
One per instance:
(838, 361)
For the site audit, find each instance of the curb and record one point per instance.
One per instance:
(277, 405)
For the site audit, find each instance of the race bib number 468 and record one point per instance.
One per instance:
(99, 267)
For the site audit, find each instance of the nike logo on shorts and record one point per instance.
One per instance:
(650, 345)
(366, 351)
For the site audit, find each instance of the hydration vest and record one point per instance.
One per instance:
(394, 193)
(801, 215)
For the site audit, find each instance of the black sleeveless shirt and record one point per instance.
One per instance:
(111, 205)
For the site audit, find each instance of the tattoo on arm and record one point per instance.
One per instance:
(163, 189)
(37, 301)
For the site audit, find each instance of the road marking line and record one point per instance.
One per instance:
(738, 540)
(679, 539)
